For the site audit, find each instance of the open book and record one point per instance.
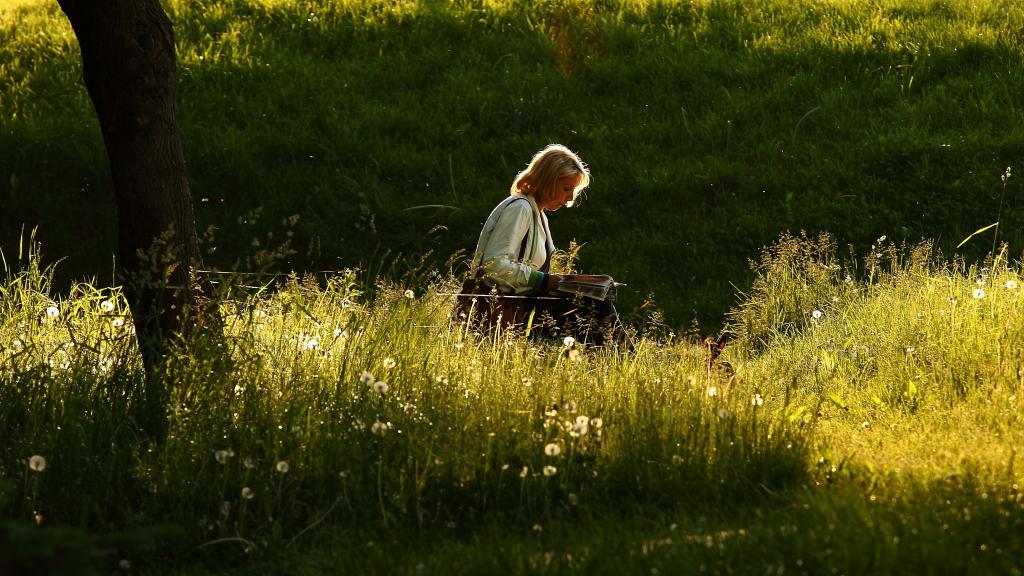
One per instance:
(596, 286)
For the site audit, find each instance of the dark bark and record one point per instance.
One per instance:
(128, 65)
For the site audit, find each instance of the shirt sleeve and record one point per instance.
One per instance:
(500, 256)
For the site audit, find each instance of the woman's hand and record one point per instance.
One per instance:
(551, 283)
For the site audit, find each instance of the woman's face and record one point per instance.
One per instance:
(561, 192)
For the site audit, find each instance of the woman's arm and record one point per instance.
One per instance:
(499, 258)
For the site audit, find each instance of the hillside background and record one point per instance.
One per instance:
(390, 129)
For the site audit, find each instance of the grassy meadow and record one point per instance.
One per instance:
(862, 420)
(390, 129)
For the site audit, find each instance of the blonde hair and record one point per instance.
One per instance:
(553, 162)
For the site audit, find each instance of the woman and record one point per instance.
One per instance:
(513, 255)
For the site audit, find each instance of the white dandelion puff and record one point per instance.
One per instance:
(1011, 284)
(117, 322)
(282, 467)
(389, 363)
(410, 294)
(552, 449)
(366, 378)
(596, 422)
(817, 314)
(247, 493)
(37, 463)
(380, 428)
(222, 456)
(524, 472)
(107, 306)
(52, 311)
(756, 400)
(568, 341)
(249, 463)
(312, 344)
(339, 333)
(713, 391)
(978, 294)
(550, 470)
(380, 386)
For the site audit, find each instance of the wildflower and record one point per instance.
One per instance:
(52, 312)
(756, 400)
(552, 449)
(380, 386)
(524, 472)
(551, 413)
(366, 378)
(339, 333)
(911, 349)
(37, 463)
(247, 493)
(713, 391)
(249, 463)
(389, 363)
(724, 414)
(312, 344)
(980, 281)
(817, 314)
(282, 467)
(17, 343)
(550, 470)
(410, 294)
(222, 456)
(117, 322)
(677, 459)
(569, 341)
(1011, 284)
(596, 422)
(380, 428)
(107, 306)
(978, 293)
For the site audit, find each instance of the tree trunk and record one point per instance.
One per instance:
(128, 65)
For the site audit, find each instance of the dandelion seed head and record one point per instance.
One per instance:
(817, 314)
(677, 459)
(410, 294)
(366, 378)
(124, 564)
(389, 363)
(550, 470)
(978, 293)
(52, 311)
(380, 386)
(37, 463)
(552, 449)
(713, 391)
(117, 322)
(756, 400)
(568, 341)
(107, 306)
(312, 344)
(247, 493)
(1011, 284)
(524, 472)
(724, 414)
(282, 467)
(249, 463)
(596, 422)
(222, 456)
(380, 428)
(339, 333)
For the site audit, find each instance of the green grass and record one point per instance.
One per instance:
(876, 436)
(711, 127)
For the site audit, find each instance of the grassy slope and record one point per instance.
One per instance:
(710, 128)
